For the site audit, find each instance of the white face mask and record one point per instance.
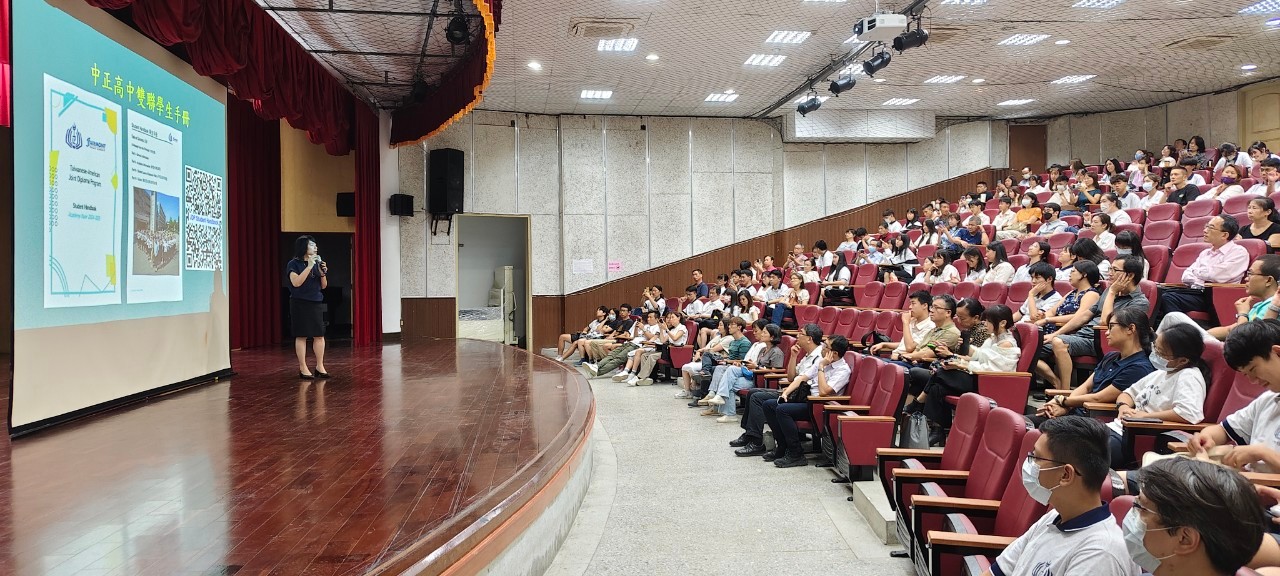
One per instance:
(1106, 206)
(1031, 481)
(1135, 531)
(1123, 251)
(1158, 362)
(1147, 186)
(1026, 202)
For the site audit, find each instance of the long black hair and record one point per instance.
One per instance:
(301, 245)
(1183, 341)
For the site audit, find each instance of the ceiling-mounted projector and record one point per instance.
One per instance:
(880, 27)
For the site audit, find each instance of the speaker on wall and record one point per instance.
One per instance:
(347, 204)
(444, 187)
(400, 205)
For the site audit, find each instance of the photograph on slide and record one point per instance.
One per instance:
(155, 234)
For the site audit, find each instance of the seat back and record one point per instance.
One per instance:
(1166, 211)
(1029, 341)
(895, 293)
(1183, 257)
(1086, 233)
(925, 252)
(941, 288)
(1221, 377)
(863, 380)
(1027, 242)
(996, 455)
(966, 431)
(1149, 289)
(965, 290)
(992, 294)
(845, 322)
(1018, 511)
(1061, 240)
(891, 385)
(1255, 246)
(1016, 295)
(1238, 204)
(1062, 287)
(1019, 260)
(1193, 229)
(673, 304)
(1157, 260)
(961, 266)
(1010, 245)
(787, 342)
(1131, 227)
(1076, 221)
(827, 319)
(865, 273)
(869, 295)
(1136, 215)
(886, 320)
(863, 324)
(814, 291)
(1120, 506)
(806, 314)
(1242, 392)
(1161, 232)
(913, 288)
(1201, 208)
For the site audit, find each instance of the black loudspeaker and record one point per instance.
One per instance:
(444, 189)
(400, 205)
(347, 204)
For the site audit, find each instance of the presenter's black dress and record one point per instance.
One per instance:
(306, 303)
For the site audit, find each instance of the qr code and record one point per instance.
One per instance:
(203, 227)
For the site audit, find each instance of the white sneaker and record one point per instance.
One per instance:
(621, 376)
(716, 401)
(633, 380)
(727, 419)
(645, 382)
(683, 395)
(592, 368)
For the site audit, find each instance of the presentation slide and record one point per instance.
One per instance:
(119, 215)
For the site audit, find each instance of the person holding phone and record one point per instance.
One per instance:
(308, 276)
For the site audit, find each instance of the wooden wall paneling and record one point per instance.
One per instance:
(428, 318)
(1028, 146)
(548, 320)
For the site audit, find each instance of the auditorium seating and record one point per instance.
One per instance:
(962, 443)
(868, 295)
(871, 426)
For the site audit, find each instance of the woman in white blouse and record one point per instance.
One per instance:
(1110, 206)
(1155, 193)
(1103, 230)
(977, 265)
(938, 269)
(1034, 185)
(1228, 185)
(1174, 392)
(999, 270)
(928, 235)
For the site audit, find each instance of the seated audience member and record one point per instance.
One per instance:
(747, 272)
(567, 343)
(1260, 301)
(1128, 242)
(713, 367)
(999, 270)
(763, 355)
(1036, 252)
(612, 355)
(976, 211)
(771, 291)
(1055, 170)
(1104, 234)
(1066, 263)
(728, 285)
(957, 375)
(927, 213)
(1006, 218)
(900, 260)
(743, 307)
(793, 297)
(619, 325)
(824, 258)
(1087, 249)
(699, 284)
(690, 305)
(942, 311)
(973, 333)
(1228, 185)
(797, 258)
(1168, 157)
(1110, 169)
(853, 240)
(1025, 182)
(827, 377)
(1264, 224)
(708, 318)
(653, 299)
(1138, 169)
(672, 333)
(764, 265)
(1180, 148)
(703, 357)
(646, 341)
(980, 192)
(1052, 223)
(971, 235)
(1062, 196)
(891, 224)
(836, 286)
(1223, 262)
(944, 210)
(912, 220)
(938, 269)
(1035, 185)
(806, 355)
(1258, 152)
(977, 265)
(1087, 191)
(1066, 326)
(916, 325)
(1030, 215)
(1078, 535)
(1229, 155)
(1110, 206)
(1192, 177)
(1269, 181)
(1179, 190)
(1125, 193)
(809, 273)
(1041, 297)
(1156, 193)
(1129, 335)
(1174, 392)
(1195, 151)
(1250, 433)
(928, 235)
(1193, 517)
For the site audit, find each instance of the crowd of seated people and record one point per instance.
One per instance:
(1149, 287)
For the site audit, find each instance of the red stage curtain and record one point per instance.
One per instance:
(366, 279)
(170, 22)
(6, 71)
(253, 206)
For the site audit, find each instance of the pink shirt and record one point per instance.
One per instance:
(1221, 266)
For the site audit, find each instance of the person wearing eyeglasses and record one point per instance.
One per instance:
(1129, 335)
(1223, 262)
(1261, 299)
(1077, 536)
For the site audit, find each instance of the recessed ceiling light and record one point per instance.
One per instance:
(764, 60)
(535, 65)
(1263, 7)
(1098, 4)
(855, 41)
(808, 96)
(728, 90)
(881, 80)
(1016, 102)
(1249, 67)
(721, 97)
(978, 80)
(788, 36)
(1062, 42)
(1274, 22)
(1023, 39)
(944, 80)
(1074, 79)
(618, 45)
(651, 57)
(900, 101)
(964, 2)
(597, 94)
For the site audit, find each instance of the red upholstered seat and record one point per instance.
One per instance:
(1132, 227)
(868, 295)
(1010, 389)
(1182, 258)
(1016, 295)
(1061, 287)
(962, 444)
(941, 288)
(895, 293)
(845, 322)
(913, 288)
(1164, 211)
(1148, 288)
(1157, 260)
(1193, 229)
(860, 435)
(806, 314)
(827, 319)
(992, 293)
(1076, 221)
(1201, 208)
(1027, 242)
(885, 321)
(925, 252)
(965, 290)
(1242, 392)
(1010, 245)
(865, 273)
(1137, 215)
(1061, 240)
(961, 266)
(814, 291)
(1019, 260)
(1255, 246)
(1161, 233)
(1239, 204)
(863, 325)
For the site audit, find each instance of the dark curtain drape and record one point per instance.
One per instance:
(6, 70)
(253, 222)
(366, 274)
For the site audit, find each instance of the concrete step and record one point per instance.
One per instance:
(871, 502)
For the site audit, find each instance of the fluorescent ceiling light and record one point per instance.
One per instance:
(944, 80)
(721, 98)
(597, 94)
(1016, 102)
(618, 45)
(729, 91)
(788, 36)
(1249, 67)
(978, 80)
(1074, 79)
(881, 80)
(535, 65)
(1023, 39)
(1062, 42)
(806, 97)
(1098, 4)
(765, 60)
(651, 57)
(963, 2)
(900, 101)
(1263, 7)
(1274, 22)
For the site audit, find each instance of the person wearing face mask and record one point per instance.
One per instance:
(1193, 517)
(1110, 206)
(1173, 393)
(1156, 193)
(1260, 300)
(1129, 335)
(1025, 182)
(1023, 219)
(1228, 155)
(1124, 195)
(1052, 223)
(1077, 536)
(1064, 197)
(1228, 185)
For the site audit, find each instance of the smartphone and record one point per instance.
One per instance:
(1143, 420)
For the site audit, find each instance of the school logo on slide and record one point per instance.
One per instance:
(74, 138)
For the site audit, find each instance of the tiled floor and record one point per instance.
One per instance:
(668, 496)
(266, 474)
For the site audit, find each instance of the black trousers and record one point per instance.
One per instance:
(1181, 300)
(945, 383)
(917, 379)
(753, 411)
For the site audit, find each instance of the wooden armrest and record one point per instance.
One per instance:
(1022, 374)
(952, 539)
(928, 474)
(1259, 478)
(1101, 406)
(1177, 446)
(922, 501)
(1216, 285)
(866, 418)
(773, 375)
(845, 408)
(830, 398)
(1057, 392)
(929, 453)
(1171, 285)
(1164, 426)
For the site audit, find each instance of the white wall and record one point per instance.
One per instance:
(645, 191)
(389, 229)
(488, 242)
(1095, 137)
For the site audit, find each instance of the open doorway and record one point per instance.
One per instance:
(493, 278)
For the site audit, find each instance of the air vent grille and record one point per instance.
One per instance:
(601, 27)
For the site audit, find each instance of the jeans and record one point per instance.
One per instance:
(753, 411)
(727, 389)
(780, 313)
(782, 417)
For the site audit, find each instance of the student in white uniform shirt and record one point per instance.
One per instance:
(672, 333)
(1041, 297)
(1110, 206)
(916, 324)
(1229, 154)
(822, 255)
(1253, 432)
(1268, 182)
(1125, 193)
(891, 223)
(1173, 393)
(1078, 536)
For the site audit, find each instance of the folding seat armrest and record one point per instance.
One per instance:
(1102, 409)
(1172, 285)
(1261, 479)
(966, 544)
(1148, 428)
(980, 373)
(813, 399)
(845, 408)
(1178, 447)
(1219, 285)
(921, 476)
(1057, 392)
(951, 505)
(863, 418)
(900, 454)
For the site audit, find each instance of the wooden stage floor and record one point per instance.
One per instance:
(397, 457)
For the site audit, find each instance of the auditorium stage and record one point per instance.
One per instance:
(430, 457)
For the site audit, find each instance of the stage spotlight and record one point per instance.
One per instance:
(876, 63)
(911, 39)
(457, 32)
(842, 84)
(813, 103)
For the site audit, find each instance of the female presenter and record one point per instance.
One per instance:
(306, 304)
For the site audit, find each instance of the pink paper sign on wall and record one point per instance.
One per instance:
(615, 265)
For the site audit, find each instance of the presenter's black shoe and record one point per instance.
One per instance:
(322, 374)
(750, 450)
(306, 376)
(775, 455)
(791, 461)
(741, 441)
